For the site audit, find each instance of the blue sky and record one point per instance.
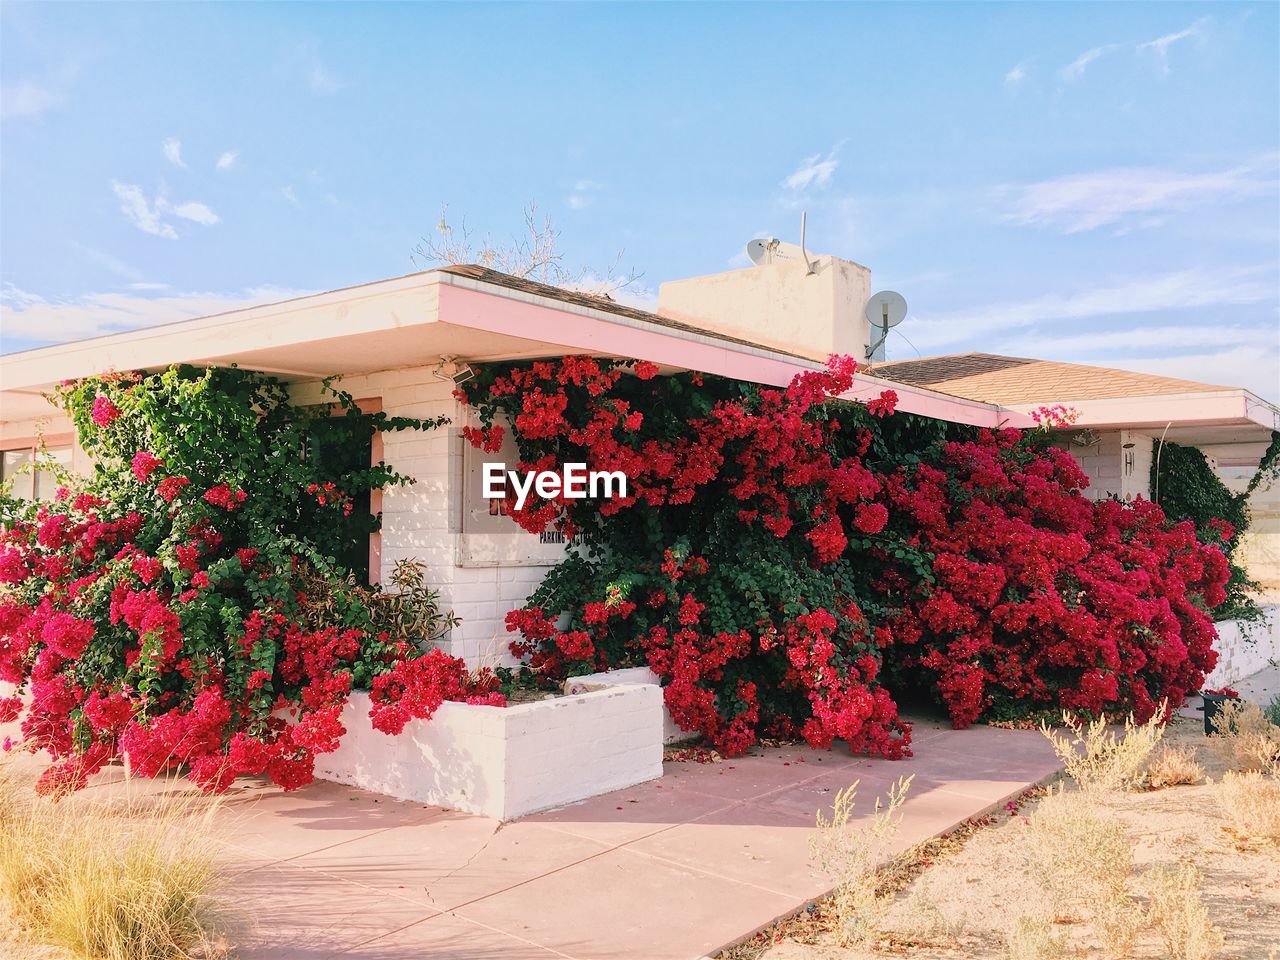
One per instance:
(1089, 182)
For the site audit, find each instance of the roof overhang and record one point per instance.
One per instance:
(1233, 426)
(413, 321)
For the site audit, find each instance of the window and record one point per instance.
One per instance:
(15, 465)
(488, 536)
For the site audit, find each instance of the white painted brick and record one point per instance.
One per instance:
(1245, 649)
(507, 762)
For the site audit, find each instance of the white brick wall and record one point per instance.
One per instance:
(419, 520)
(1244, 649)
(1113, 469)
(506, 762)
(671, 732)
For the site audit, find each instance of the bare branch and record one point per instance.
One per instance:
(534, 255)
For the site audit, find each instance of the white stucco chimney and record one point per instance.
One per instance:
(779, 305)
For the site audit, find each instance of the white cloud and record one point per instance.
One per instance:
(148, 286)
(1233, 355)
(291, 195)
(197, 212)
(1255, 367)
(142, 213)
(228, 159)
(1075, 70)
(1180, 290)
(323, 82)
(1015, 76)
(149, 215)
(1086, 201)
(173, 152)
(581, 197)
(1143, 339)
(814, 171)
(1160, 45)
(634, 294)
(305, 66)
(28, 316)
(26, 99)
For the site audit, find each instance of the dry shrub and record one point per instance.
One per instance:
(1034, 938)
(852, 855)
(1173, 765)
(921, 920)
(1251, 800)
(1244, 738)
(1116, 922)
(1097, 759)
(1082, 858)
(111, 880)
(1180, 916)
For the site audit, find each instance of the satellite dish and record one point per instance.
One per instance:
(886, 309)
(764, 252)
(758, 251)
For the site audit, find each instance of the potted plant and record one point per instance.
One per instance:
(1212, 707)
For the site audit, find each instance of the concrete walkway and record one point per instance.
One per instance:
(675, 868)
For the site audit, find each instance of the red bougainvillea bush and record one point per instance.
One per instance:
(727, 568)
(778, 550)
(1039, 598)
(175, 606)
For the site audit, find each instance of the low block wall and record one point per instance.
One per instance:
(671, 732)
(506, 762)
(1244, 649)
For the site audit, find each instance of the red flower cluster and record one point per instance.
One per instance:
(1038, 597)
(327, 494)
(104, 411)
(178, 636)
(144, 464)
(414, 690)
(730, 669)
(755, 533)
(223, 496)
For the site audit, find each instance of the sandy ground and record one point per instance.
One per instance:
(982, 888)
(979, 886)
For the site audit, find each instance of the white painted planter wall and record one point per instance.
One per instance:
(506, 762)
(671, 732)
(1244, 649)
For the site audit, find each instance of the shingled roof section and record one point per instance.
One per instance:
(594, 301)
(1011, 380)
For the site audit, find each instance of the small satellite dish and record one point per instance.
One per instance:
(759, 251)
(886, 309)
(764, 252)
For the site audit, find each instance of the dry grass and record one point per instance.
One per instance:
(1244, 738)
(1080, 857)
(851, 856)
(1097, 759)
(983, 875)
(1251, 801)
(1034, 938)
(1173, 766)
(922, 921)
(130, 879)
(1179, 914)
